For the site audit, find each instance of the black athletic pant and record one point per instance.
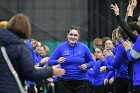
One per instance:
(137, 89)
(72, 86)
(31, 88)
(121, 85)
(99, 89)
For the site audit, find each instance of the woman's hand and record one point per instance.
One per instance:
(83, 66)
(115, 9)
(103, 69)
(61, 60)
(58, 72)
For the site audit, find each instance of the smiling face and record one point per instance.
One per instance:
(73, 37)
(109, 45)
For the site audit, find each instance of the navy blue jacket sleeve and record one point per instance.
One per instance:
(27, 69)
(127, 30)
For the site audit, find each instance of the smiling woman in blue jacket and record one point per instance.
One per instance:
(74, 57)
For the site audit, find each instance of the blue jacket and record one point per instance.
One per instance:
(75, 56)
(136, 61)
(21, 60)
(107, 63)
(96, 77)
(89, 77)
(33, 55)
(120, 62)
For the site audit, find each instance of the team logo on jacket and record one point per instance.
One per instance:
(66, 52)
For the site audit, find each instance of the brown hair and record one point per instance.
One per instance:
(97, 42)
(75, 28)
(119, 34)
(101, 48)
(104, 39)
(133, 26)
(20, 25)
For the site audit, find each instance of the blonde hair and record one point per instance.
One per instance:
(46, 48)
(3, 24)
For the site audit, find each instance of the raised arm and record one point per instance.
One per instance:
(130, 8)
(123, 24)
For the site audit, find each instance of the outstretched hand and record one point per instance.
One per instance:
(58, 72)
(132, 5)
(115, 9)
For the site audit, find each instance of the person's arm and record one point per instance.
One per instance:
(54, 58)
(131, 53)
(27, 68)
(123, 24)
(127, 30)
(119, 56)
(129, 19)
(96, 69)
(28, 71)
(130, 8)
(110, 74)
(108, 63)
(89, 58)
(133, 56)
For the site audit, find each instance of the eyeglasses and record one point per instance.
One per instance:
(73, 34)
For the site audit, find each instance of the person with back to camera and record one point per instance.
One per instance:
(12, 38)
(75, 57)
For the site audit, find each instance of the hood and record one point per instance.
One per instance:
(8, 38)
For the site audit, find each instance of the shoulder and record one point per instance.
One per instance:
(82, 44)
(61, 46)
(18, 48)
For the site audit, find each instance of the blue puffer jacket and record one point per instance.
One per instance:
(21, 59)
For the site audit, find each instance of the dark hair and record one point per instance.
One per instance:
(104, 39)
(101, 48)
(20, 25)
(133, 26)
(75, 28)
